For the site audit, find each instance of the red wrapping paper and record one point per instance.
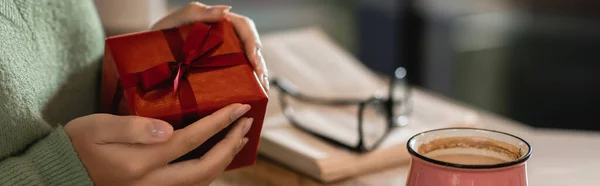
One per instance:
(181, 75)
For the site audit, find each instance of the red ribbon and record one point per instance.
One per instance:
(193, 52)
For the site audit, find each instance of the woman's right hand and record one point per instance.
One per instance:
(131, 150)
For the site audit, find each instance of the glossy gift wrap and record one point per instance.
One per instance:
(180, 75)
(425, 171)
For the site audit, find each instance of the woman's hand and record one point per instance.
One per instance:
(131, 150)
(244, 27)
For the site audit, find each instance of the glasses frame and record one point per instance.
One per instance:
(388, 105)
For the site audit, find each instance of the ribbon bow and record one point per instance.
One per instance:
(196, 51)
(193, 52)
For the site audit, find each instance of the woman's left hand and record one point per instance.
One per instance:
(244, 27)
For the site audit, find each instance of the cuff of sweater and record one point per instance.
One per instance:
(51, 161)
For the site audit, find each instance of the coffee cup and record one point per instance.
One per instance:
(467, 156)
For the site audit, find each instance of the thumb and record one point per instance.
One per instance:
(131, 129)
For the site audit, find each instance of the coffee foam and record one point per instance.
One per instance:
(471, 145)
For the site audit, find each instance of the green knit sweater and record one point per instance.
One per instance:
(50, 53)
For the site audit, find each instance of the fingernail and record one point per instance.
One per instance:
(242, 144)
(240, 111)
(159, 130)
(244, 141)
(266, 82)
(257, 55)
(247, 125)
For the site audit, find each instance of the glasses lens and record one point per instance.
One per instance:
(338, 123)
(374, 124)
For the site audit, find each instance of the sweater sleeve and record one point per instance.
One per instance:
(50, 161)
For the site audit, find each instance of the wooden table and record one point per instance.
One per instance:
(559, 158)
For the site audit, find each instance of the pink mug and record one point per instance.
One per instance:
(426, 170)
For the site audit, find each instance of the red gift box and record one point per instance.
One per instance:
(180, 75)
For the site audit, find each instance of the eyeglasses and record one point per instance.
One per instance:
(375, 116)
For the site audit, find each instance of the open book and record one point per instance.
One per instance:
(318, 67)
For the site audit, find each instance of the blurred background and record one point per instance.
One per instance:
(534, 61)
